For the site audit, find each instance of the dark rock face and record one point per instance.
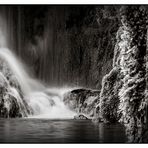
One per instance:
(125, 86)
(12, 103)
(82, 101)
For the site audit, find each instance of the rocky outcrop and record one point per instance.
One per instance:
(12, 103)
(123, 95)
(82, 101)
(109, 100)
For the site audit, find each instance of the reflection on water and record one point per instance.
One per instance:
(59, 131)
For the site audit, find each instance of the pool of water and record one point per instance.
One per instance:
(59, 131)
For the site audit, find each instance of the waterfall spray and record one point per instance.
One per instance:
(44, 102)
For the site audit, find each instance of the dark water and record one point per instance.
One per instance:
(59, 131)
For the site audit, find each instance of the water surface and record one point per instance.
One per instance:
(59, 131)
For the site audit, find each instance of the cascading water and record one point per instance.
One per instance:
(43, 102)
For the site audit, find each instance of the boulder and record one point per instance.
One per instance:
(82, 101)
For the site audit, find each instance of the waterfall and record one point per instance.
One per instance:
(44, 102)
(31, 98)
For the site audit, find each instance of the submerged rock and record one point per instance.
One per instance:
(81, 116)
(82, 101)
